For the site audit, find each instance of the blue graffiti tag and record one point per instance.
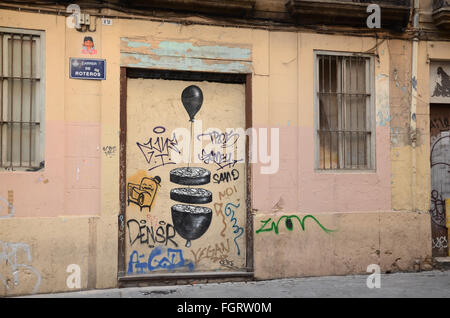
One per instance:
(236, 229)
(174, 259)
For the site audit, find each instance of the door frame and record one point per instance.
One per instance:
(170, 278)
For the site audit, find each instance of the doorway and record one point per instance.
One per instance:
(440, 175)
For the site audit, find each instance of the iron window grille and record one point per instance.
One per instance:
(21, 99)
(344, 98)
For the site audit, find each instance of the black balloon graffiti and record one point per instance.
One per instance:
(192, 98)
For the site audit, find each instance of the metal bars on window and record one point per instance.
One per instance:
(344, 125)
(19, 100)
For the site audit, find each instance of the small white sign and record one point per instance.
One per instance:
(106, 21)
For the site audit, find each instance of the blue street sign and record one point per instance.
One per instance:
(92, 69)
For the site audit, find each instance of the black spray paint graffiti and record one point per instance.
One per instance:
(439, 242)
(217, 253)
(228, 176)
(437, 209)
(191, 221)
(157, 149)
(172, 259)
(218, 206)
(440, 163)
(143, 194)
(9, 254)
(437, 158)
(192, 99)
(190, 176)
(150, 235)
(109, 151)
(442, 88)
(6, 206)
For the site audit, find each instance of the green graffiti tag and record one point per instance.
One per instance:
(288, 223)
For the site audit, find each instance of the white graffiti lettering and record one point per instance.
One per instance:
(9, 255)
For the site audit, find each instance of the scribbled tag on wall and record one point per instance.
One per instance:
(184, 216)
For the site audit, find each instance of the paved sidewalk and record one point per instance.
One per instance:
(423, 284)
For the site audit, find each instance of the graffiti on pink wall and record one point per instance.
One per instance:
(289, 225)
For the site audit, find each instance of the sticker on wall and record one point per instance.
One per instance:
(88, 46)
(88, 69)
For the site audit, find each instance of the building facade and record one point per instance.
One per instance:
(320, 144)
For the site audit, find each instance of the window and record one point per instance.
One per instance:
(21, 99)
(345, 136)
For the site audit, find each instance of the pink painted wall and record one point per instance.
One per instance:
(70, 182)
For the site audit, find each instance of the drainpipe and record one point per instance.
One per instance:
(413, 123)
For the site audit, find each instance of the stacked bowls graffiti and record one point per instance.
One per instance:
(191, 195)
(191, 221)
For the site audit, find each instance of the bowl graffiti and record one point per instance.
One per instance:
(191, 222)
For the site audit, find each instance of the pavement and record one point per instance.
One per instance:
(424, 284)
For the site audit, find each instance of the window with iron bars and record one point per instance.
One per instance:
(21, 99)
(344, 99)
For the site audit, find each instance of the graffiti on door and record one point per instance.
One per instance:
(11, 256)
(180, 232)
(274, 225)
(440, 174)
(191, 221)
(442, 87)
